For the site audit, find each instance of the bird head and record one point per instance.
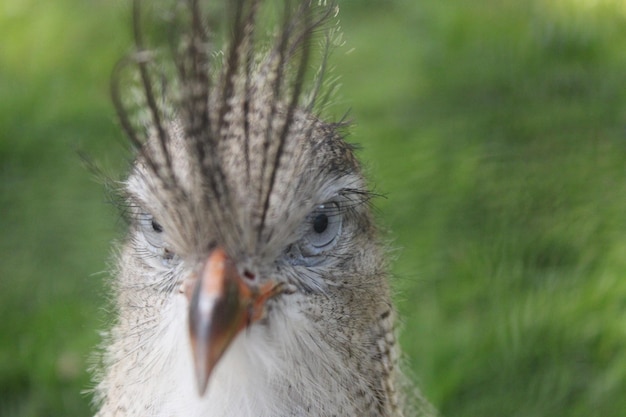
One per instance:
(246, 205)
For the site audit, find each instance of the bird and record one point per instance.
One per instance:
(253, 280)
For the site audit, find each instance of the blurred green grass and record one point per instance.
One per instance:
(496, 129)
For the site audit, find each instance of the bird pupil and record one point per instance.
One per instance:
(320, 223)
(156, 227)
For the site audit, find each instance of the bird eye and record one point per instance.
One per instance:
(320, 223)
(153, 233)
(324, 225)
(152, 230)
(156, 226)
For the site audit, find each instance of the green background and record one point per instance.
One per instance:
(495, 129)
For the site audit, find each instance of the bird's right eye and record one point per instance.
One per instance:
(156, 226)
(152, 231)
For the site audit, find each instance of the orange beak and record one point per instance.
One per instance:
(221, 305)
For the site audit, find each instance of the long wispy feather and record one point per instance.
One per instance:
(201, 94)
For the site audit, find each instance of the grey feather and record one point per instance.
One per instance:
(230, 153)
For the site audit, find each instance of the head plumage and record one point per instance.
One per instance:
(248, 96)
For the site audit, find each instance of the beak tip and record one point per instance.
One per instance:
(202, 382)
(202, 368)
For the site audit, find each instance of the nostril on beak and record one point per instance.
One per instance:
(249, 275)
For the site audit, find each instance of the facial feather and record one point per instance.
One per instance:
(230, 156)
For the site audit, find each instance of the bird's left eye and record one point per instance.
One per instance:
(324, 225)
